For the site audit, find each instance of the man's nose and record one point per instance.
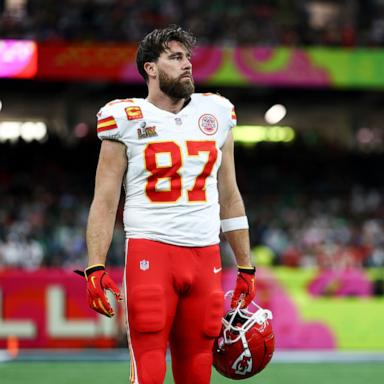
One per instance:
(187, 64)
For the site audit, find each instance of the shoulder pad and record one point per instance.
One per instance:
(217, 98)
(111, 119)
(116, 107)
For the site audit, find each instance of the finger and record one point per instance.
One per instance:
(100, 304)
(241, 301)
(102, 311)
(104, 305)
(111, 286)
(244, 302)
(234, 301)
(104, 308)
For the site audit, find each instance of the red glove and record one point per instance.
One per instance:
(245, 289)
(97, 282)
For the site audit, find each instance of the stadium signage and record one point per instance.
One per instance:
(320, 67)
(18, 59)
(45, 309)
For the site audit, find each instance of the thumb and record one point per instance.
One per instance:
(235, 298)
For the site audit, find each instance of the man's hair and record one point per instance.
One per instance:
(157, 42)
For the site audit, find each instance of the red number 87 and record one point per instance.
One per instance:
(170, 172)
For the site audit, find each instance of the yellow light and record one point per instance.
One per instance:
(253, 134)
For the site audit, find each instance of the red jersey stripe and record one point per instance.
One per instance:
(106, 124)
(106, 128)
(105, 120)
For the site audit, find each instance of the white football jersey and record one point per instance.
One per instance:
(171, 181)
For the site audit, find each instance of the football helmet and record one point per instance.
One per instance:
(246, 342)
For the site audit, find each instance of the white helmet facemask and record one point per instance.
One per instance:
(244, 319)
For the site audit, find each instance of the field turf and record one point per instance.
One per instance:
(117, 373)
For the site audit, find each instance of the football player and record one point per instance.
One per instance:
(173, 152)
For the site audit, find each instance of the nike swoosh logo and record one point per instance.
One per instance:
(216, 270)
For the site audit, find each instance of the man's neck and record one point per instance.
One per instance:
(166, 103)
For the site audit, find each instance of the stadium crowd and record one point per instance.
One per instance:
(302, 217)
(299, 223)
(270, 22)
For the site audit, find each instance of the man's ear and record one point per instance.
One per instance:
(151, 68)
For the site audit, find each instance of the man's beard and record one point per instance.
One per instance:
(176, 88)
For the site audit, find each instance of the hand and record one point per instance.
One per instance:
(98, 281)
(245, 289)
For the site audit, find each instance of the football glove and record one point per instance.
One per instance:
(245, 289)
(98, 281)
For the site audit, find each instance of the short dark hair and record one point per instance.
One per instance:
(157, 42)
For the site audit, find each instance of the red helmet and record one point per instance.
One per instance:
(246, 343)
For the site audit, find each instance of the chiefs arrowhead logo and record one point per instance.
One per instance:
(208, 124)
(243, 364)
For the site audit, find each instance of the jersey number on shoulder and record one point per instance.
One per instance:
(171, 172)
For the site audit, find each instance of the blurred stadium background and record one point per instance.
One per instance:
(307, 78)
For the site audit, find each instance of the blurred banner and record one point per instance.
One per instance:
(18, 59)
(314, 309)
(100, 62)
(48, 309)
(238, 66)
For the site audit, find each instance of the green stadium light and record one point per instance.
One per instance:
(253, 134)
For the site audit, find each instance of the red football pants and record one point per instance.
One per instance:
(173, 296)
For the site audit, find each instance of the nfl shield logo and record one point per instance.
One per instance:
(144, 265)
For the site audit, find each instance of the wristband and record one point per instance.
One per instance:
(247, 270)
(234, 223)
(93, 268)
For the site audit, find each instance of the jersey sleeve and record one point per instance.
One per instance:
(227, 108)
(229, 112)
(109, 126)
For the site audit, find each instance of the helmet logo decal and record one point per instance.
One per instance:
(243, 364)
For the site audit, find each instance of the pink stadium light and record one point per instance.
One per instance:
(18, 59)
